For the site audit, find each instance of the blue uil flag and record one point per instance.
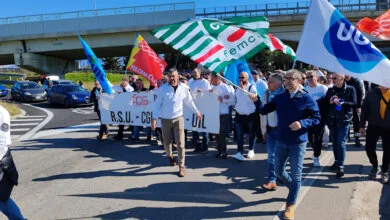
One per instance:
(96, 67)
(330, 41)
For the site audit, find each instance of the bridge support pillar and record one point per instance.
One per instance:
(44, 64)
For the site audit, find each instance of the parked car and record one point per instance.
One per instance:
(69, 95)
(46, 85)
(26, 91)
(3, 90)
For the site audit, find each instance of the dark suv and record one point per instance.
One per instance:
(26, 91)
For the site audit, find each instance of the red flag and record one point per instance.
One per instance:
(379, 28)
(144, 61)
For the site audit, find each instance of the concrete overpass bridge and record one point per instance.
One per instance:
(49, 44)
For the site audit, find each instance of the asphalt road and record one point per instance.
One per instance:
(71, 175)
(65, 117)
(68, 174)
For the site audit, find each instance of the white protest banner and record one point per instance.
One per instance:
(208, 105)
(135, 108)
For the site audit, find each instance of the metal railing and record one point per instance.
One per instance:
(99, 12)
(290, 8)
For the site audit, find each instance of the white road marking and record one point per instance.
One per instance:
(19, 129)
(13, 125)
(34, 116)
(307, 183)
(26, 120)
(32, 132)
(52, 132)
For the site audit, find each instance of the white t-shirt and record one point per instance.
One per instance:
(317, 92)
(201, 84)
(244, 105)
(5, 131)
(222, 90)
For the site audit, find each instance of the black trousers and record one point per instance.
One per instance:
(121, 128)
(315, 137)
(103, 128)
(257, 127)
(373, 134)
(355, 120)
(221, 137)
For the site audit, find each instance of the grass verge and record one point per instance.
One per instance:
(11, 108)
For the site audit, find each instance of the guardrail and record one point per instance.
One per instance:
(290, 8)
(99, 12)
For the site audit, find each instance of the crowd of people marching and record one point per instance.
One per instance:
(286, 110)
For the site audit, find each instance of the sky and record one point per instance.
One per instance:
(13, 8)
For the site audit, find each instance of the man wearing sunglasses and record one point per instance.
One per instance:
(245, 116)
(317, 92)
(341, 100)
(297, 112)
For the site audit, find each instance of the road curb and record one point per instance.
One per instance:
(32, 132)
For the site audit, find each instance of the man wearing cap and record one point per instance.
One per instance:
(8, 174)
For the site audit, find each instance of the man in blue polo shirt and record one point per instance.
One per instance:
(297, 112)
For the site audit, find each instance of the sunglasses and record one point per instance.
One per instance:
(289, 78)
(309, 77)
(241, 77)
(334, 78)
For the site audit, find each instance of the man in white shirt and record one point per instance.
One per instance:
(201, 85)
(8, 172)
(317, 91)
(225, 98)
(245, 115)
(126, 87)
(169, 108)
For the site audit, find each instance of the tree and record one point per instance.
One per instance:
(111, 63)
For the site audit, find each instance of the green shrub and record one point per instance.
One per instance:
(89, 77)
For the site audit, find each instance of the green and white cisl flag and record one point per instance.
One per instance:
(216, 43)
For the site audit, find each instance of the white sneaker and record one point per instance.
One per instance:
(251, 154)
(317, 162)
(238, 156)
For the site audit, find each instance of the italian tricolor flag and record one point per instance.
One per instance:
(277, 44)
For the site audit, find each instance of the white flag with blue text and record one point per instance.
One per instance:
(330, 41)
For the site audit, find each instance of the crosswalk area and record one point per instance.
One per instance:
(24, 124)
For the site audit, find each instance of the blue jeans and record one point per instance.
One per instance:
(296, 153)
(138, 128)
(271, 142)
(240, 136)
(11, 210)
(339, 135)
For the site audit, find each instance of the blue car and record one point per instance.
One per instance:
(69, 95)
(3, 90)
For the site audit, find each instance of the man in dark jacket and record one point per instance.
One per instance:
(8, 172)
(341, 100)
(95, 95)
(297, 112)
(360, 92)
(376, 111)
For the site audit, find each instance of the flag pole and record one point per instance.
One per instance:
(233, 84)
(293, 66)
